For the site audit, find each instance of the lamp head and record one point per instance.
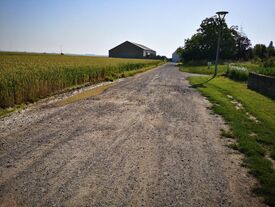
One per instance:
(221, 15)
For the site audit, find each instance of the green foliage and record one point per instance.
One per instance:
(264, 56)
(203, 69)
(227, 134)
(272, 155)
(267, 71)
(257, 68)
(271, 50)
(237, 73)
(262, 169)
(256, 60)
(254, 138)
(235, 45)
(202, 46)
(265, 59)
(260, 51)
(7, 111)
(28, 77)
(269, 62)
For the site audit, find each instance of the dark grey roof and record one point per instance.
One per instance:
(136, 44)
(142, 46)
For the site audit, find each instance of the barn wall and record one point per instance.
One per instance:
(126, 50)
(152, 54)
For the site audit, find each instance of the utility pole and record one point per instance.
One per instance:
(61, 51)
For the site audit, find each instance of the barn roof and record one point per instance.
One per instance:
(141, 46)
(136, 44)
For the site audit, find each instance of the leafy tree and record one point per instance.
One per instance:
(260, 51)
(179, 51)
(202, 45)
(271, 49)
(243, 47)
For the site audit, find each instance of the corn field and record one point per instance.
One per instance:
(28, 77)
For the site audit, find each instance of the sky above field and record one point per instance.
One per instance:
(95, 26)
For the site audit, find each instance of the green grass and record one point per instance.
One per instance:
(267, 71)
(223, 68)
(257, 68)
(256, 139)
(28, 77)
(203, 69)
(84, 95)
(7, 111)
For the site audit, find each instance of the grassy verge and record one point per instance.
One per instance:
(98, 90)
(84, 95)
(251, 118)
(203, 69)
(7, 111)
(270, 71)
(126, 74)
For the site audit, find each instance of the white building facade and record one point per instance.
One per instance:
(175, 57)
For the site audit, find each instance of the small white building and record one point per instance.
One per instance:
(175, 57)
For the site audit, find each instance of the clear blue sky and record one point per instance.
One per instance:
(95, 26)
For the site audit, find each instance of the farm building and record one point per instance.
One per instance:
(175, 57)
(131, 50)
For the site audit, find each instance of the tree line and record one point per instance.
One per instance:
(235, 45)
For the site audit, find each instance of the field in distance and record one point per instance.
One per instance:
(27, 77)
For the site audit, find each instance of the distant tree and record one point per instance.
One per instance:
(158, 57)
(193, 49)
(271, 45)
(271, 49)
(260, 51)
(179, 51)
(243, 46)
(202, 45)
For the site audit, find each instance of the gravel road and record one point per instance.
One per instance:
(149, 140)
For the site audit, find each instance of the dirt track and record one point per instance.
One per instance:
(147, 141)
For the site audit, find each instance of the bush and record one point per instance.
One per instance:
(196, 63)
(257, 60)
(237, 73)
(267, 71)
(269, 62)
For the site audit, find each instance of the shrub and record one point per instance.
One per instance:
(237, 73)
(267, 71)
(257, 60)
(196, 62)
(269, 62)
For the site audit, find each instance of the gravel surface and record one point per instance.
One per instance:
(149, 140)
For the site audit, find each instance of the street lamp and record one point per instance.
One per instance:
(221, 16)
